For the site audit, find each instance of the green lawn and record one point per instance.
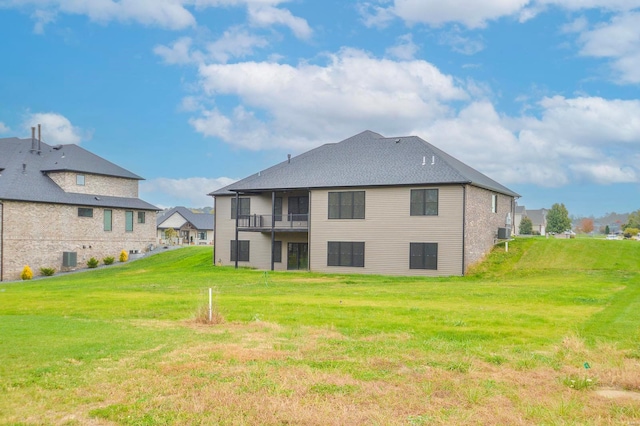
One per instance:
(504, 345)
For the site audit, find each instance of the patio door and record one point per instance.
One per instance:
(298, 256)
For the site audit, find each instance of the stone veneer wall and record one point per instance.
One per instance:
(37, 234)
(481, 224)
(96, 184)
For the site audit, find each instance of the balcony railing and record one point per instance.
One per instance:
(258, 222)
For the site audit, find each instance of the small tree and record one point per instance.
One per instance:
(586, 225)
(634, 220)
(170, 234)
(607, 230)
(558, 219)
(526, 226)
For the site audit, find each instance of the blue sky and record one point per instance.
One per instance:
(541, 95)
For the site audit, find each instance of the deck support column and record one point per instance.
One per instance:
(273, 228)
(237, 212)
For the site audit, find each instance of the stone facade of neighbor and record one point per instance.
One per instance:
(63, 202)
(31, 241)
(96, 184)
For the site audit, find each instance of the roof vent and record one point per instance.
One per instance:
(24, 168)
(57, 147)
(289, 158)
(397, 140)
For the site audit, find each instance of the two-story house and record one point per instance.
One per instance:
(368, 204)
(61, 205)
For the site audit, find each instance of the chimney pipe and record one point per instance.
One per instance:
(289, 158)
(33, 138)
(39, 140)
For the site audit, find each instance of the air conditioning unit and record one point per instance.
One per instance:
(69, 259)
(504, 233)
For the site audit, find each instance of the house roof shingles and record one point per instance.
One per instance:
(198, 220)
(23, 175)
(366, 159)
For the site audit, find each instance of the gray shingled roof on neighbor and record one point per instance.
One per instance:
(23, 175)
(198, 220)
(538, 217)
(367, 159)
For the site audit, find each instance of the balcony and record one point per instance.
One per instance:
(283, 223)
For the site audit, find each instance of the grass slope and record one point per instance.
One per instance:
(504, 345)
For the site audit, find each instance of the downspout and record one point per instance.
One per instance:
(464, 221)
(273, 228)
(215, 218)
(1, 241)
(237, 215)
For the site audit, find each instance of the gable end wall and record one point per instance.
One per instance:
(481, 224)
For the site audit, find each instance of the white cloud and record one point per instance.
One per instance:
(289, 106)
(460, 43)
(619, 41)
(471, 13)
(178, 53)
(266, 16)
(56, 128)
(190, 192)
(404, 49)
(578, 139)
(170, 14)
(234, 43)
(4, 128)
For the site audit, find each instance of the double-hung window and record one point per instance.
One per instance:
(128, 221)
(345, 253)
(298, 208)
(108, 220)
(243, 255)
(423, 256)
(424, 202)
(346, 205)
(245, 207)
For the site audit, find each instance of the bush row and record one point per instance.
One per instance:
(27, 272)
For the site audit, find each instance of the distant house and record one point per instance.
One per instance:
(191, 228)
(368, 204)
(520, 212)
(538, 220)
(61, 205)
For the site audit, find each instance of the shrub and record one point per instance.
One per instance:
(92, 263)
(108, 260)
(47, 272)
(124, 256)
(27, 273)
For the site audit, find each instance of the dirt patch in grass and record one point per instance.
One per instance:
(618, 393)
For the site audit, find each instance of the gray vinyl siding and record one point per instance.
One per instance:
(388, 229)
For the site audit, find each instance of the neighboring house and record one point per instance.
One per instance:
(190, 227)
(368, 204)
(517, 218)
(538, 221)
(61, 205)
